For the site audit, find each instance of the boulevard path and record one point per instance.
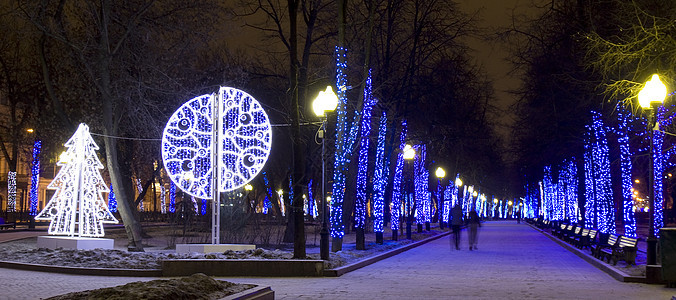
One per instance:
(514, 261)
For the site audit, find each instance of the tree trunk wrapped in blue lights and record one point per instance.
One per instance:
(599, 206)
(658, 169)
(624, 117)
(395, 212)
(422, 195)
(380, 181)
(362, 167)
(343, 150)
(548, 195)
(35, 178)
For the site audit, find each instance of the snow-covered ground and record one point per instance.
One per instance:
(25, 250)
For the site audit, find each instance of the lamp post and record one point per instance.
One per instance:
(440, 173)
(650, 98)
(326, 101)
(409, 155)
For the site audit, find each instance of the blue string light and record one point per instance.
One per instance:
(362, 167)
(35, 178)
(623, 117)
(600, 171)
(548, 189)
(341, 160)
(112, 202)
(172, 197)
(658, 170)
(380, 177)
(571, 183)
(422, 196)
(270, 194)
(395, 211)
(311, 207)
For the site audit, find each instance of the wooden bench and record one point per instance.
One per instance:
(564, 233)
(577, 241)
(589, 241)
(558, 230)
(605, 251)
(572, 236)
(625, 250)
(4, 225)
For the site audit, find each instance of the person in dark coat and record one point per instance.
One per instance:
(456, 221)
(474, 223)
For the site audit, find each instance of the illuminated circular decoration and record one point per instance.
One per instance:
(245, 134)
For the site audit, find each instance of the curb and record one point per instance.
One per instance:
(82, 271)
(613, 272)
(160, 272)
(256, 293)
(363, 263)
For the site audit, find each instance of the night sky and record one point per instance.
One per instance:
(496, 15)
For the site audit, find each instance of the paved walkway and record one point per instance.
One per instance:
(514, 261)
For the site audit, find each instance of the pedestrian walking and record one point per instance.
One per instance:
(456, 221)
(474, 224)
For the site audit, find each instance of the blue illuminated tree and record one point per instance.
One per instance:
(599, 207)
(362, 167)
(380, 175)
(422, 194)
(112, 202)
(346, 134)
(395, 212)
(35, 178)
(172, 197)
(624, 118)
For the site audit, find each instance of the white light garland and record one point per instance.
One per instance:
(11, 191)
(78, 201)
(244, 134)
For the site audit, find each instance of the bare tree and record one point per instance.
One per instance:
(127, 55)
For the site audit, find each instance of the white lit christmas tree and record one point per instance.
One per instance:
(78, 207)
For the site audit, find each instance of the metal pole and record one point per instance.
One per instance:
(324, 233)
(216, 199)
(652, 240)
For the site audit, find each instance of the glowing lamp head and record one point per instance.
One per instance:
(483, 198)
(280, 192)
(409, 152)
(495, 200)
(458, 182)
(653, 91)
(440, 172)
(509, 202)
(30, 130)
(248, 187)
(475, 194)
(325, 101)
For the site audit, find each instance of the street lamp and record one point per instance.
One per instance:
(326, 101)
(409, 154)
(441, 173)
(650, 98)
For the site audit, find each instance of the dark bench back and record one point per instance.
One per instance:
(627, 242)
(592, 233)
(612, 239)
(585, 232)
(569, 228)
(577, 229)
